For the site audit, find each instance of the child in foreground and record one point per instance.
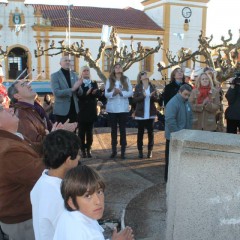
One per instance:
(83, 193)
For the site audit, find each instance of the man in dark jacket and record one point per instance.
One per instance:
(20, 168)
(232, 113)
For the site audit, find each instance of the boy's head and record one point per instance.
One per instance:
(83, 190)
(58, 146)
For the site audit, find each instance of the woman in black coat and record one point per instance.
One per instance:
(87, 111)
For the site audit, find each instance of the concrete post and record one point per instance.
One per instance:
(203, 189)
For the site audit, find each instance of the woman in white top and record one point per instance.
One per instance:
(118, 89)
(144, 97)
(83, 193)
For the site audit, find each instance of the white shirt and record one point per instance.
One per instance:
(76, 226)
(118, 103)
(47, 206)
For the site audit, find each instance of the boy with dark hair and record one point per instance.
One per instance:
(83, 193)
(61, 153)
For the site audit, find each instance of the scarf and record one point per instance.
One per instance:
(87, 83)
(203, 93)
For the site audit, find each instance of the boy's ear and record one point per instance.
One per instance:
(68, 160)
(71, 204)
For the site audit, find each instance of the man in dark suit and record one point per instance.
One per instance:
(65, 84)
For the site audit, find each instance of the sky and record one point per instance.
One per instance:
(222, 14)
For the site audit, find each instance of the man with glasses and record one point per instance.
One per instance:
(20, 168)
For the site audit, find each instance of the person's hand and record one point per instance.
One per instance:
(116, 91)
(206, 101)
(94, 91)
(89, 91)
(125, 234)
(69, 126)
(77, 84)
(153, 93)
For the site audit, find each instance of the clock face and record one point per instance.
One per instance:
(186, 12)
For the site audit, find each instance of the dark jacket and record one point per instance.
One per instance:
(88, 104)
(171, 90)
(138, 100)
(20, 168)
(233, 97)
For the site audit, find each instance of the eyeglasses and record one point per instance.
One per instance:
(25, 83)
(143, 73)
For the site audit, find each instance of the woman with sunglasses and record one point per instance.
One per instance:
(144, 97)
(118, 90)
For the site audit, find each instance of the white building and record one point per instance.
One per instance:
(177, 22)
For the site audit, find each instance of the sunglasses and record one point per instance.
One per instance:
(142, 73)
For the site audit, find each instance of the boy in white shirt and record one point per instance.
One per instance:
(83, 193)
(61, 153)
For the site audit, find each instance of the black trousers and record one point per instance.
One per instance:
(166, 160)
(116, 119)
(233, 126)
(85, 133)
(148, 124)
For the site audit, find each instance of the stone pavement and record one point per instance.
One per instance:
(134, 187)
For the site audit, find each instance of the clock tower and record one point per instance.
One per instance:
(181, 20)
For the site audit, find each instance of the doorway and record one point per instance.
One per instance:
(17, 63)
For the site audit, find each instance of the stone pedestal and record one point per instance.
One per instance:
(203, 189)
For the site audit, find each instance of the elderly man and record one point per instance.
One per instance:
(20, 168)
(33, 121)
(178, 116)
(64, 85)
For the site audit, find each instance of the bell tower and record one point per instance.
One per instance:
(181, 20)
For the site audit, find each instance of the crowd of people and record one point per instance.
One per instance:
(41, 144)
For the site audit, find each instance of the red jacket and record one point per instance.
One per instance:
(20, 168)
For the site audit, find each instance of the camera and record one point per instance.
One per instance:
(236, 80)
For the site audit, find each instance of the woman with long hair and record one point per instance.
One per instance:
(118, 89)
(145, 96)
(205, 102)
(87, 111)
(177, 79)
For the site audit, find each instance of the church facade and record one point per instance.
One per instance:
(177, 22)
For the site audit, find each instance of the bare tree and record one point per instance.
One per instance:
(226, 63)
(117, 54)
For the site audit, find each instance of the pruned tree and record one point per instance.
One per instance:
(224, 57)
(118, 54)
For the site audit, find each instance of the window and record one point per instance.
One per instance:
(146, 63)
(107, 60)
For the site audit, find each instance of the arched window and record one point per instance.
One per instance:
(147, 63)
(107, 60)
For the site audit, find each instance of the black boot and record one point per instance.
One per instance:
(123, 153)
(89, 153)
(83, 153)
(149, 155)
(114, 152)
(140, 153)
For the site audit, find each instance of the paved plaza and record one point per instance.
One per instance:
(135, 188)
